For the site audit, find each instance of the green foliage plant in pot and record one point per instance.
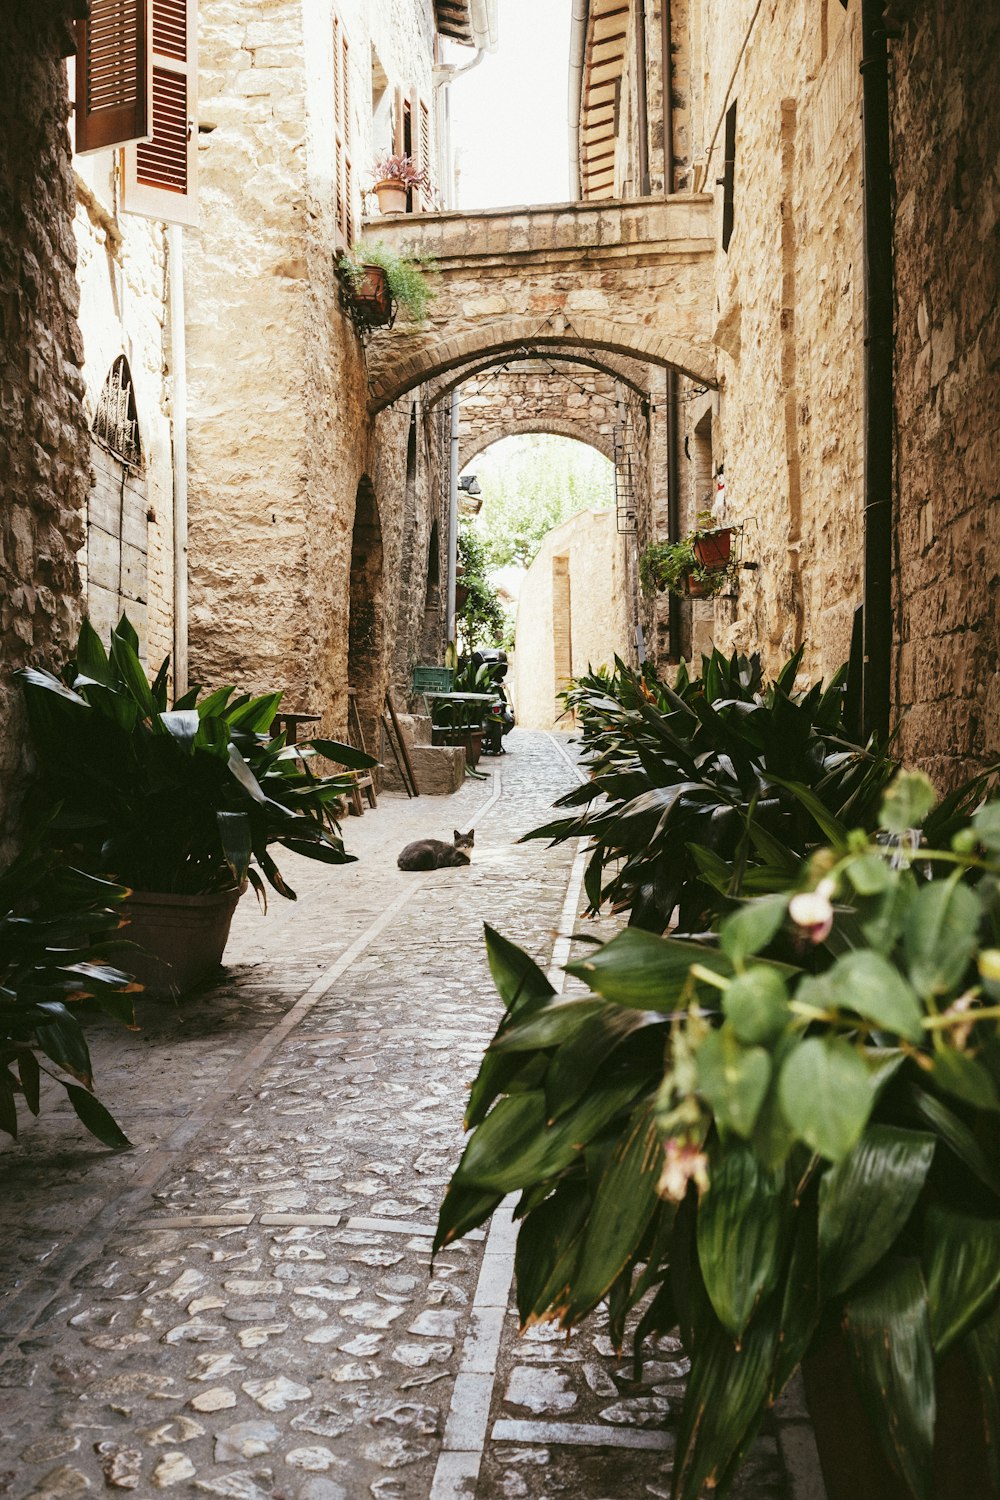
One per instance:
(711, 788)
(405, 276)
(59, 947)
(182, 805)
(772, 1154)
(665, 566)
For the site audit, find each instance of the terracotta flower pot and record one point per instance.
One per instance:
(391, 195)
(694, 585)
(183, 938)
(714, 548)
(461, 595)
(371, 296)
(473, 746)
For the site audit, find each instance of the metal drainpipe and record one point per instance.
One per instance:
(673, 508)
(178, 354)
(642, 107)
(878, 407)
(577, 56)
(453, 516)
(667, 76)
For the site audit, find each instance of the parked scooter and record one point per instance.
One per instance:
(499, 715)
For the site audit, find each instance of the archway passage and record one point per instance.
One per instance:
(365, 653)
(632, 279)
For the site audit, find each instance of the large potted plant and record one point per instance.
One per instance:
(378, 281)
(776, 1155)
(181, 804)
(395, 177)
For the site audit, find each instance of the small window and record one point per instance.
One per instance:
(113, 76)
(160, 180)
(729, 176)
(116, 425)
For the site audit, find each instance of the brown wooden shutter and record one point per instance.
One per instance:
(161, 174)
(424, 156)
(343, 175)
(113, 75)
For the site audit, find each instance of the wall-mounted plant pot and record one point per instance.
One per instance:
(371, 299)
(391, 195)
(695, 586)
(713, 549)
(182, 938)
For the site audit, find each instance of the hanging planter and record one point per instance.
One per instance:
(714, 548)
(370, 298)
(395, 177)
(695, 585)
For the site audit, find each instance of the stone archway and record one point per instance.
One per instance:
(495, 339)
(366, 628)
(546, 426)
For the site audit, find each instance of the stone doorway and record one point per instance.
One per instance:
(365, 653)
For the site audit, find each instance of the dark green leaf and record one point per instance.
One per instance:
(514, 1147)
(872, 987)
(961, 1259)
(744, 1220)
(749, 929)
(940, 936)
(826, 1094)
(756, 1005)
(733, 1079)
(96, 1118)
(462, 1209)
(866, 1200)
(639, 969)
(343, 755)
(889, 1341)
(961, 1075)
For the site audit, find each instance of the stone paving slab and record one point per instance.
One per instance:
(244, 1304)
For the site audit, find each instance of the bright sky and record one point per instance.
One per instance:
(509, 123)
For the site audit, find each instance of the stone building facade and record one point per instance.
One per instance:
(44, 445)
(764, 110)
(574, 612)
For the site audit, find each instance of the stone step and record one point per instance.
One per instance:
(439, 770)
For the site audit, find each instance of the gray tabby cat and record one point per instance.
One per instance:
(435, 854)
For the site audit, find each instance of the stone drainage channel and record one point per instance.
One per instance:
(244, 1305)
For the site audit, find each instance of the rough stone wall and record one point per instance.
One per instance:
(946, 147)
(122, 271)
(580, 404)
(789, 332)
(280, 436)
(582, 564)
(44, 468)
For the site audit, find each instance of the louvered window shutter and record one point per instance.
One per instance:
(113, 75)
(424, 155)
(161, 174)
(343, 176)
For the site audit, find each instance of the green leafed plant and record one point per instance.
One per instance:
(56, 950)
(762, 1152)
(406, 274)
(714, 788)
(186, 799)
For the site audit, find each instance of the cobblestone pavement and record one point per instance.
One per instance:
(243, 1305)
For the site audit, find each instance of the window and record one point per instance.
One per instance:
(412, 137)
(160, 179)
(113, 75)
(136, 84)
(116, 423)
(343, 177)
(729, 176)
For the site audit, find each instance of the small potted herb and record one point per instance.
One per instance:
(395, 177)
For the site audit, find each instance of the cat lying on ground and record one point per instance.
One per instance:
(435, 854)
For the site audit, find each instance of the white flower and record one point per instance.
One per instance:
(683, 1163)
(812, 912)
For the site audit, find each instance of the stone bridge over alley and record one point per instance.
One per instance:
(618, 284)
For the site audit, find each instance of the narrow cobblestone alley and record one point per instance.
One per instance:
(244, 1304)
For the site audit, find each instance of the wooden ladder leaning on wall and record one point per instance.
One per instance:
(363, 782)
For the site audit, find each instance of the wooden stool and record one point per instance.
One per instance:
(362, 781)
